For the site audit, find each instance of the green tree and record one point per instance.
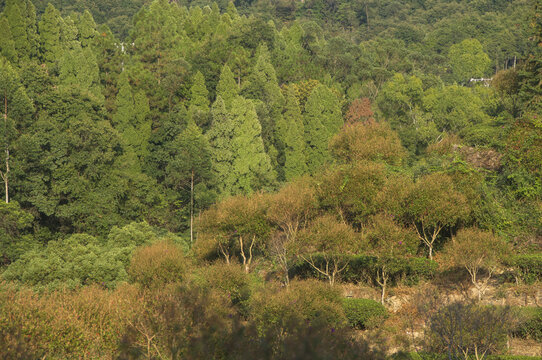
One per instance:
(290, 133)
(199, 103)
(220, 137)
(7, 45)
(392, 244)
(324, 245)
(191, 166)
(433, 204)
(15, 232)
(86, 29)
(49, 30)
(14, 14)
(16, 111)
(226, 88)
(251, 167)
(479, 252)
(322, 120)
(468, 60)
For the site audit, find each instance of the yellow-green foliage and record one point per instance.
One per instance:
(158, 264)
(86, 324)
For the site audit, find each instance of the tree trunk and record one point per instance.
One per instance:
(5, 175)
(192, 209)
(430, 252)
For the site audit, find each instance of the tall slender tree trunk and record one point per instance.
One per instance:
(5, 175)
(192, 209)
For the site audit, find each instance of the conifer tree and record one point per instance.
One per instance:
(68, 34)
(251, 169)
(17, 24)
(322, 120)
(227, 89)
(78, 67)
(199, 100)
(29, 11)
(49, 29)
(16, 109)
(220, 137)
(191, 166)
(86, 29)
(7, 45)
(262, 85)
(290, 132)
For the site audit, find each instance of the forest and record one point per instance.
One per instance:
(271, 179)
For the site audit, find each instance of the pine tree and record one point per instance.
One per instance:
(199, 94)
(227, 89)
(251, 168)
(190, 167)
(7, 45)
(322, 120)
(14, 15)
(78, 67)
(31, 29)
(220, 137)
(291, 135)
(198, 106)
(87, 29)
(16, 110)
(68, 34)
(262, 85)
(49, 29)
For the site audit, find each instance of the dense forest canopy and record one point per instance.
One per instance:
(163, 142)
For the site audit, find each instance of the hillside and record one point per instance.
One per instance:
(239, 180)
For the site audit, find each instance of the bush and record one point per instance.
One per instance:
(309, 302)
(231, 280)
(528, 267)
(157, 264)
(363, 313)
(87, 323)
(420, 269)
(72, 262)
(530, 324)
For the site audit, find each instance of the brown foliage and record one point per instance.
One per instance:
(359, 110)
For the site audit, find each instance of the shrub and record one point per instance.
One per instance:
(528, 267)
(157, 264)
(64, 324)
(231, 280)
(530, 324)
(363, 313)
(420, 269)
(72, 262)
(311, 302)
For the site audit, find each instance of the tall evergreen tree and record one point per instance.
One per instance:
(251, 169)
(78, 67)
(16, 111)
(14, 14)
(29, 11)
(49, 29)
(86, 29)
(190, 168)
(220, 137)
(198, 106)
(227, 89)
(290, 131)
(322, 120)
(262, 85)
(7, 45)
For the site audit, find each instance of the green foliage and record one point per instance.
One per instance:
(363, 313)
(528, 267)
(15, 232)
(468, 60)
(530, 324)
